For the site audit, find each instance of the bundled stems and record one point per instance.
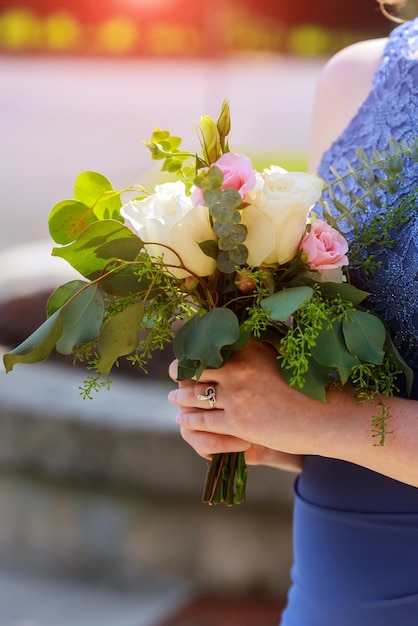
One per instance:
(226, 479)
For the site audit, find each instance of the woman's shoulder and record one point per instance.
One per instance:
(343, 86)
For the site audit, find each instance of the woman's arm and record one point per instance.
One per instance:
(256, 410)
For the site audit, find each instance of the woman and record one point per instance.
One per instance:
(356, 504)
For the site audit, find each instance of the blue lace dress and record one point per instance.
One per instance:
(356, 531)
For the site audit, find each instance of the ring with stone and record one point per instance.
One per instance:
(210, 396)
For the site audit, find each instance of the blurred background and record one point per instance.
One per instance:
(100, 519)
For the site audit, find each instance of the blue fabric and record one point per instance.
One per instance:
(356, 531)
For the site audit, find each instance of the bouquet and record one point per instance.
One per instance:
(232, 254)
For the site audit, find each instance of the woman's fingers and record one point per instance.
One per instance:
(198, 395)
(206, 444)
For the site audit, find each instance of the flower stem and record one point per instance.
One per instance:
(226, 479)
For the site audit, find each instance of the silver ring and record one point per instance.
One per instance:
(210, 396)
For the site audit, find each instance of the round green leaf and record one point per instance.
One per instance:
(90, 186)
(224, 214)
(231, 198)
(68, 219)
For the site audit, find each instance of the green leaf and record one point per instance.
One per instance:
(90, 186)
(225, 214)
(210, 248)
(119, 336)
(81, 318)
(345, 290)
(231, 198)
(62, 294)
(100, 244)
(243, 338)
(239, 254)
(212, 197)
(202, 339)
(125, 282)
(68, 219)
(209, 180)
(234, 235)
(96, 191)
(281, 305)
(330, 350)
(38, 346)
(316, 380)
(364, 335)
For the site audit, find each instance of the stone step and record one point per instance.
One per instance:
(107, 485)
(30, 600)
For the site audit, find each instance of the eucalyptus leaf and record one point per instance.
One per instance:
(62, 294)
(230, 235)
(225, 214)
(224, 262)
(81, 318)
(330, 350)
(231, 199)
(239, 254)
(347, 291)
(316, 380)
(90, 186)
(281, 305)
(365, 335)
(119, 336)
(205, 338)
(38, 346)
(68, 219)
(212, 197)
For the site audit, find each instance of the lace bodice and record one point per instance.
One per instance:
(390, 110)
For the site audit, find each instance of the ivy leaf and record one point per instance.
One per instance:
(98, 245)
(38, 346)
(365, 335)
(119, 336)
(82, 318)
(281, 305)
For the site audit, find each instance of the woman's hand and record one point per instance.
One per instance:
(245, 417)
(258, 412)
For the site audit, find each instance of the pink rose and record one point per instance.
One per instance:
(238, 174)
(324, 246)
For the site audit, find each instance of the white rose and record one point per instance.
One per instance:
(168, 218)
(283, 205)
